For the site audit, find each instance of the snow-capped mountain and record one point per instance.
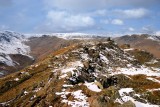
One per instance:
(12, 43)
(69, 36)
(154, 38)
(11, 48)
(79, 36)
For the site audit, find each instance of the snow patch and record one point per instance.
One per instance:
(126, 98)
(65, 85)
(92, 86)
(85, 56)
(104, 59)
(70, 68)
(16, 79)
(80, 98)
(135, 71)
(4, 58)
(130, 49)
(25, 92)
(37, 89)
(126, 90)
(157, 89)
(153, 79)
(63, 76)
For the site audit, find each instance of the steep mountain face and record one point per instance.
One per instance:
(43, 45)
(146, 42)
(12, 48)
(86, 74)
(12, 42)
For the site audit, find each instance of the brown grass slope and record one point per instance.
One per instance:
(30, 79)
(141, 42)
(45, 45)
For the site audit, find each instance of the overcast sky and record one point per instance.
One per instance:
(86, 16)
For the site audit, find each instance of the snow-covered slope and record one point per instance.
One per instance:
(12, 43)
(154, 38)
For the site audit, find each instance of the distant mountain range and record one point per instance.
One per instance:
(21, 50)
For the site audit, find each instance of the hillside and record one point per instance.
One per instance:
(18, 51)
(86, 74)
(44, 45)
(145, 42)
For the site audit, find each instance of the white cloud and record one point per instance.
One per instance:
(70, 20)
(147, 29)
(117, 22)
(79, 21)
(64, 21)
(131, 29)
(133, 13)
(157, 33)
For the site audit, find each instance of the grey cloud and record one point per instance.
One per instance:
(76, 5)
(141, 3)
(133, 13)
(84, 5)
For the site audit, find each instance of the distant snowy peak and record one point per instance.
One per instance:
(68, 35)
(79, 36)
(7, 36)
(137, 37)
(12, 43)
(154, 38)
